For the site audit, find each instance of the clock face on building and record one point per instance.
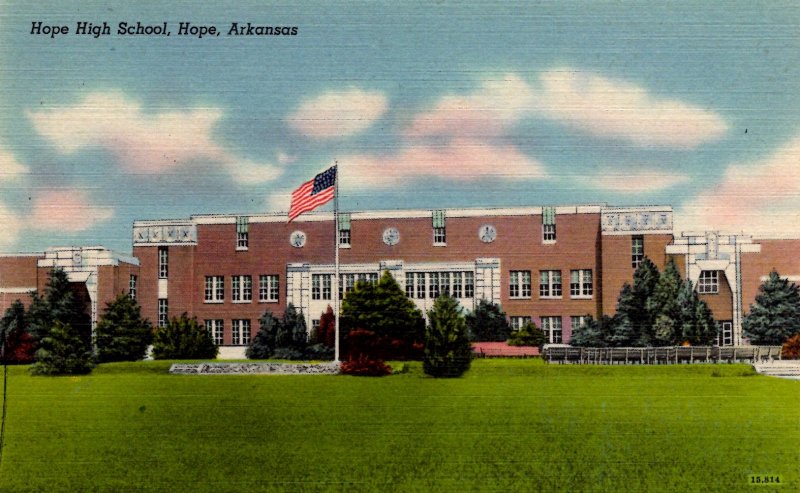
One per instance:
(297, 239)
(487, 233)
(391, 236)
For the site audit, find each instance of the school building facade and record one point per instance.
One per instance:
(550, 265)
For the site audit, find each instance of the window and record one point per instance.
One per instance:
(578, 321)
(321, 286)
(163, 257)
(433, 285)
(552, 329)
(580, 283)
(268, 288)
(215, 330)
(215, 289)
(439, 228)
(518, 323)
(708, 282)
(550, 284)
(469, 284)
(315, 326)
(242, 288)
(347, 282)
(163, 313)
(420, 276)
(725, 334)
(458, 283)
(240, 333)
(520, 284)
(637, 250)
(344, 230)
(132, 287)
(548, 224)
(242, 232)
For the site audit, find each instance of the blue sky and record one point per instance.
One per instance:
(692, 104)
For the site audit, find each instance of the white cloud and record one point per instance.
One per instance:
(462, 160)
(279, 201)
(143, 143)
(599, 106)
(10, 168)
(67, 211)
(617, 109)
(640, 180)
(10, 227)
(335, 114)
(761, 197)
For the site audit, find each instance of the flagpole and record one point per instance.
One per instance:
(336, 259)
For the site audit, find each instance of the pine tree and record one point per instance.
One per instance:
(663, 306)
(294, 325)
(776, 313)
(62, 352)
(625, 331)
(382, 308)
(488, 322)
(183, 338)
(59, 303)
(448, 352)
(263, 344)
(19, 344)
(122, 334)
(592, 333)
(645, 280)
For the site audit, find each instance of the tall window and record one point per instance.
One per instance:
(421, 285)
(344, 230)
(215, 330)
(548, 224)
(580, 283)
(163, 261)
(242, 288)
(637, 250)
(215, 289)
(163, 312)
(433, 285)
(519, 322)
(725, 333)
(132, 287)
(242, 232)
(550, 284)
(240, 333)
(552, 329)
(321, 286)
(520, 284)
(469, 284)
(420, 277)
(439, 225)
(268, 288)
(708, 282)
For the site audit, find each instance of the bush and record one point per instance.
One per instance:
(528, 335)
(366, 368)
(19, 344)
(183, 338)
(319, 351)
(122, 333)
(448, 352)
(791, 348)
(488, 323)
(62, 352)
(263, 344)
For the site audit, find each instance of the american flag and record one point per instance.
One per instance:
(313, 193)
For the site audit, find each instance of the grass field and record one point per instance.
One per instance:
(508, 425)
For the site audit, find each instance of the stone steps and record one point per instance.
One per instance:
(782, 369)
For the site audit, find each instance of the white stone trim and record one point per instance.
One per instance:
(17, 290)
(163, 292)
(795, 278)
(22, 254)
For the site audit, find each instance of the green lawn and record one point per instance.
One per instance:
(508, 425)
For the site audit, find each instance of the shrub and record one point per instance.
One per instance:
(791, 348)
(528, 335)
(327, 329)
(366, 368)
(319, 351)
(487, 323)
(122, 333)
(62, 352)
(263, 344)
(19, 344)
(776, 313)
(448, 352)
(183, 338)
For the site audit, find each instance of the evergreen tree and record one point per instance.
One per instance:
(625, 331)
(122, 334)
(183, 338)
(382, 308)
(448, 352)
(663, 306)
(696, 324)
(776, 313)
(488, 322)
(59, 303)
(528, 335)
(19, 344)
(294, 325)
(263, 344)
(645, 280)
(62, 352)
(593, 333)
(327, 328)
